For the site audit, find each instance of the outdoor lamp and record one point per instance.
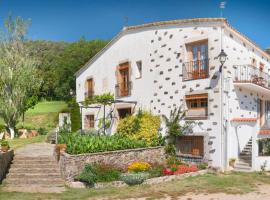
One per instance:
(222, 59)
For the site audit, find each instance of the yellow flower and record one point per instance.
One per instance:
(139, 167)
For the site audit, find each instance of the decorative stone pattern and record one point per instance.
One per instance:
(72, 165)
(5, 160)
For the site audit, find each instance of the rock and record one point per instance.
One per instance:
(76, 184)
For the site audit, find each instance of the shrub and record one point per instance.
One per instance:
(134, 178)
(75, 116)
(106, 173)
(156, 171)
(139, 167)
(87, 176)
(172, 160)
(4, 143)
(143, 126)
(167, 172)
(203, 166)
(42, 131)
(78, 144)
(170, 150)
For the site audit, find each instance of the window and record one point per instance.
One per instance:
(197, 65)
(123, 86)
(190, 145)
(261, 67)
(89, 88)
(197, 106)
(254, 62)
(139, 69)
(264, 147)
(89, 121)
(124, 112)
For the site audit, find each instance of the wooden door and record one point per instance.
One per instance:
(124, 81)
(90, 87)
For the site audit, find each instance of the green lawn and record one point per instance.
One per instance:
(234, 183)
(44, 114)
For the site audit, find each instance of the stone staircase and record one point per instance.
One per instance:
(243, 164)
(34, 174)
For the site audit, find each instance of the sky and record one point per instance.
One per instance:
(69, 20)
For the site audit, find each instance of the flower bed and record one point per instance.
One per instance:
(137, 173)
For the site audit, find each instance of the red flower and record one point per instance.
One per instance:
(167, 172)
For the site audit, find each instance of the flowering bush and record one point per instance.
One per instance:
(179, 169)
(139, 167)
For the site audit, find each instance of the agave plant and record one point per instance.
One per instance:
(176, 126)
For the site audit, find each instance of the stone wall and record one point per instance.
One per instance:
(72, 165)
(5, 160)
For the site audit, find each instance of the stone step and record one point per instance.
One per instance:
(34, 170)
(242, 170)
(34, 188)
(51, 166)
(242, 164)
(26, 158)
(32, 175)
(34, 162)
(40, 181)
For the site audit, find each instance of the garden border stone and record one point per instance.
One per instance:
(72, 165)
(5, 161)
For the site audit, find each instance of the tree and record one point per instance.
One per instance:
(18, 77)
(268, 51)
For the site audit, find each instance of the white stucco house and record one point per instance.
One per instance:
(162, 65)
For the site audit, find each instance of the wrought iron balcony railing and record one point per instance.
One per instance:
(198, 69)
(251, 74)
(123, 89)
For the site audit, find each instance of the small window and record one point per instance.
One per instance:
(190, 145)
(89, 121)
(264, 147)
(124, 112)
(139, 69)
(197, 106)
(261, 66)
(254, 62)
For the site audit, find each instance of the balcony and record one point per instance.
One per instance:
(198, 113)
(252, 78)
(123, 89)
(198, 69)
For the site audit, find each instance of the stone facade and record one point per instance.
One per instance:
(5, 160)
(72, 165)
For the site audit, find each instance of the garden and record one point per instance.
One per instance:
(140, 131)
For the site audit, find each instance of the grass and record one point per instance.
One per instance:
(20, 142)
(44, 114)
(234, 183)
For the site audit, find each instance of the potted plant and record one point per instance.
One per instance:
(232, 162)
(4, 146)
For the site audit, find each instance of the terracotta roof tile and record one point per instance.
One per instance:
(244, 120)
(264, 132)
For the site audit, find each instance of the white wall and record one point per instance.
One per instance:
(162, 51)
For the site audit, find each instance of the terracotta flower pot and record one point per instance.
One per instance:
(4, 148)
(61, 148)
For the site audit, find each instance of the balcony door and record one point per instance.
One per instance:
(197, 65)
(199, 56)
(123, 79)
